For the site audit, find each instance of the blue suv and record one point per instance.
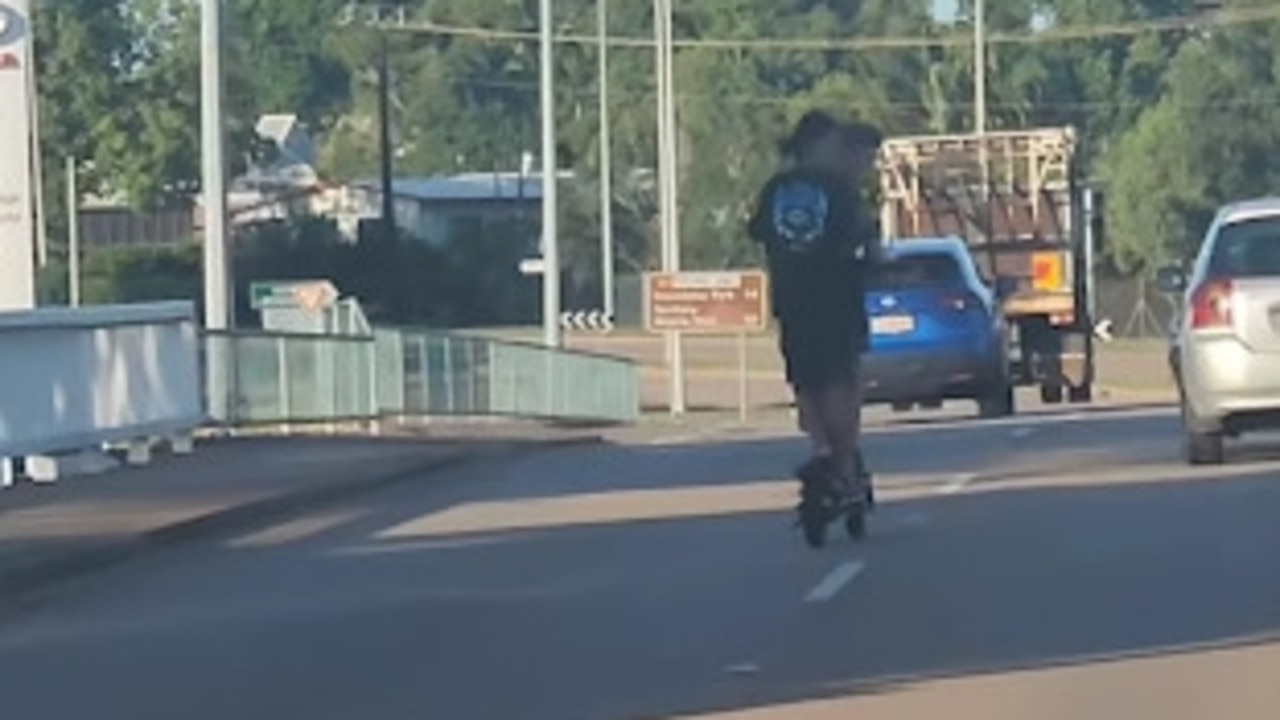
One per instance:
(937, 331)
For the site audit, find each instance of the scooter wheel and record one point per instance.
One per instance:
(813, 521)
(855, 522)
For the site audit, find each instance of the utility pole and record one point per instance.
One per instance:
(378, 16)
(668, 192)
(386, 158)
(979, 67)
(606, 165)
(550, 204)
(381, 19)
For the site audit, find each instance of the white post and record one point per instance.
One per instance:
(606, 165)
(550, 230)
(284, 383)
(73, 235)
(1089, 212)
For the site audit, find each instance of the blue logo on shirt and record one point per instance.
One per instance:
(801, 210)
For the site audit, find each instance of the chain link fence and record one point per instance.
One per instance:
(1136, 309)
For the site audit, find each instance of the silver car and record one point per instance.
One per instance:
(1224, 345)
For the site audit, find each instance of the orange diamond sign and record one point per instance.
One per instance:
(1046, 271)
(315, 296)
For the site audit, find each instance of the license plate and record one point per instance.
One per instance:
(893, 324)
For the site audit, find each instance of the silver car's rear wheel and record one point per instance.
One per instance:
(1205, 448)
(1202, 447)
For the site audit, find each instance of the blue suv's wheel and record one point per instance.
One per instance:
(996, 402)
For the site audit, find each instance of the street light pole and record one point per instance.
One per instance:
(216, 268)
(606, 165)
(668, 183)
(550, 241)
(673, 133)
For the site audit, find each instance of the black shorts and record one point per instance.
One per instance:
(818, 356)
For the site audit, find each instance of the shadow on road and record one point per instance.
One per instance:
(1027, 411)
(1000, 581)
(620, 583)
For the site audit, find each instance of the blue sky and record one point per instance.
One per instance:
(945, 9)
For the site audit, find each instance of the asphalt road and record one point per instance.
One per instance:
(1056, 567)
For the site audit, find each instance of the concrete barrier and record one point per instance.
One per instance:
(79, 379)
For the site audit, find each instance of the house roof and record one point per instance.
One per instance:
(276, 127)
(292, 164)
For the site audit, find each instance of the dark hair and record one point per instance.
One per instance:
(813, 126)
(863, 136)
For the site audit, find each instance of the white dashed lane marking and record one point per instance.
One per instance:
(835, 581)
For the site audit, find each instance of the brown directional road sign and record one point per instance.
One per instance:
(706, 302)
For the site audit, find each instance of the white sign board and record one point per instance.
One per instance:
(17, 205)
(310, 295)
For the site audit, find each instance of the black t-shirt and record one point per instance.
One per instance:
(818, 236)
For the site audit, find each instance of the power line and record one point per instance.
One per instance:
(1215, 19)
(648, 93)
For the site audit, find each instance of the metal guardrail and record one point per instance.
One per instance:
(280, 378)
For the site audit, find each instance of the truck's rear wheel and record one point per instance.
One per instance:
(1051, 393)
(1080, 393)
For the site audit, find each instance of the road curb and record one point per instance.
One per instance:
(1167, 396)
(23, 586)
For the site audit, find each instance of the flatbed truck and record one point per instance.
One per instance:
(1016, 199)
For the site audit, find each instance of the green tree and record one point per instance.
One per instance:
(1175, 120)
(1206, 142)
(1150, 180)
